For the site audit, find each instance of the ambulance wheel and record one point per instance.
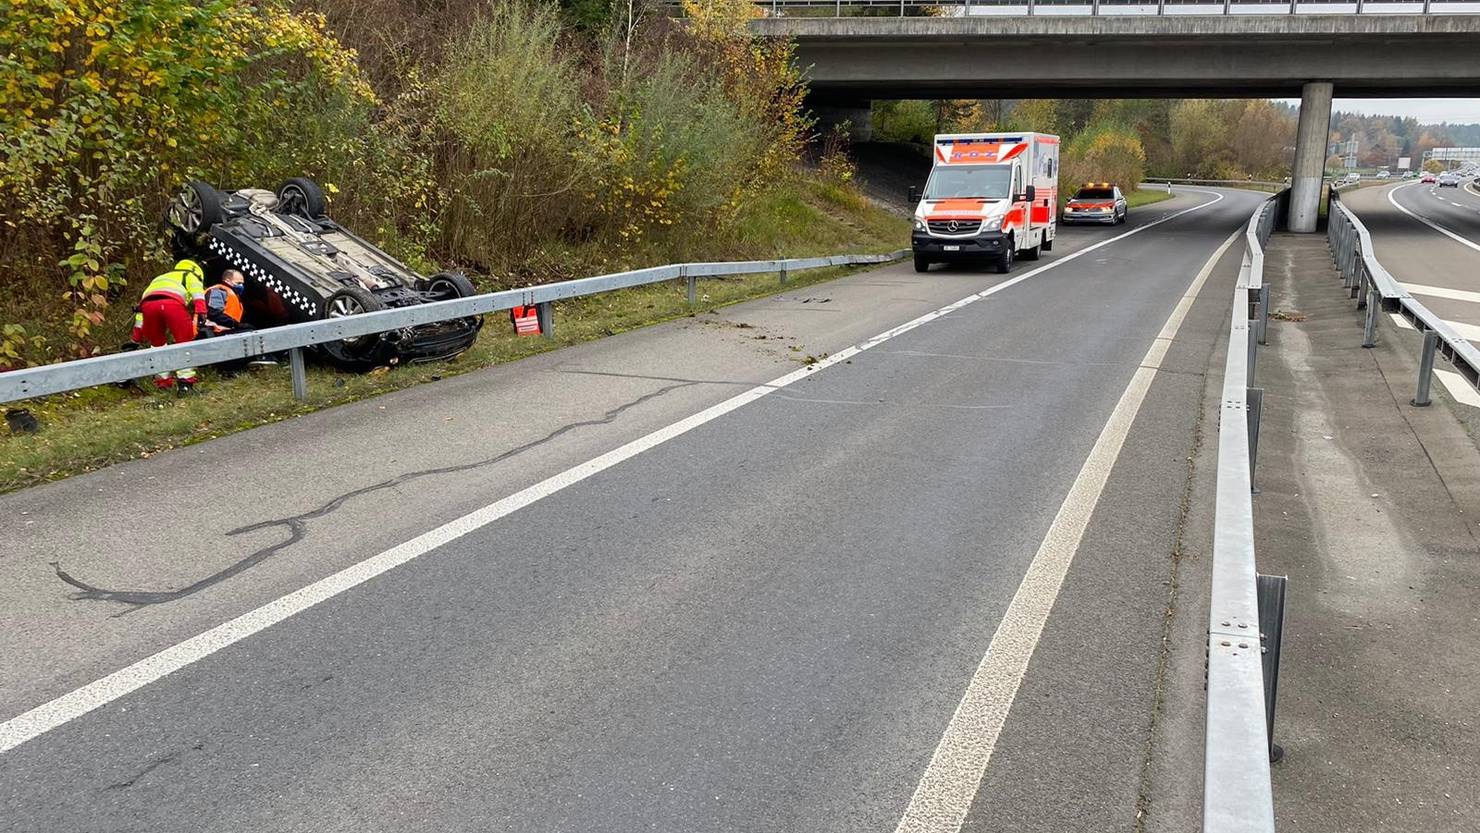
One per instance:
(1048, 244)
(302, 197)
(195, 209)
(1004, 260)
(921, 264)
(1032, 254)
(360, 353)
(444, 286)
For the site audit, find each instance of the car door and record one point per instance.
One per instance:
(1122, 208)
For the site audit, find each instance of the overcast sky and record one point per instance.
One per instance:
(1426, 110)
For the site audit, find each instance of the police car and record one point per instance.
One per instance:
(1096, 202)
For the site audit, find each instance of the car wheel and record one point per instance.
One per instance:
(1004, 260)
(921, 264)
(302, 197)
(444, 286)
(1033, 253)
(195, 209)
(360, 353)
(1047, 244)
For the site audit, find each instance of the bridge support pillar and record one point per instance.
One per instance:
(858, 115)
(1310, 155)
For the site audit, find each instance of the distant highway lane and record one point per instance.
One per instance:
(734, 573)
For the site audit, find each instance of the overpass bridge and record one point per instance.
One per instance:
(861, 51)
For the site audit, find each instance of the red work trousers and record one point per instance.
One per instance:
(166, 318)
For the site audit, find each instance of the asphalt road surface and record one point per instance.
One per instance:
(733, 573)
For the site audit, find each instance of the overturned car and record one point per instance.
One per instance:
(302, 266)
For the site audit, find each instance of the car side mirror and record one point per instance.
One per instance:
(914, 193)
(1030, 194)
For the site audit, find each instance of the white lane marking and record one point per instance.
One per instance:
(1401, 321)
(1442, 292)
(1430, 223)
(950, 782)
(1459, 387)
(72, 705)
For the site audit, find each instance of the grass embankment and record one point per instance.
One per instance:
(1143, 196)
(91, 429)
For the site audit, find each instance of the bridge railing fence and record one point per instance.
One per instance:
(966, 8)
(1246, 610)
(62, 377)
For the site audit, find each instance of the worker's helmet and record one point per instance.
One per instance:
(192, 267)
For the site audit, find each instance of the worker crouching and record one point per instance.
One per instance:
(173, 309)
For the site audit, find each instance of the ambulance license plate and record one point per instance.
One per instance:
(951, 248)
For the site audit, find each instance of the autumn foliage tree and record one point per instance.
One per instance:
(105, 107)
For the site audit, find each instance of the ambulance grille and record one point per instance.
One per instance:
(954, 226)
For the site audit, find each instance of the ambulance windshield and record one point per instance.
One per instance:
(992, 182)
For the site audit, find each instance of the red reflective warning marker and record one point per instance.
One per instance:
(526, 320)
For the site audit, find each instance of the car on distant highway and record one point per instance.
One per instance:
(1448, 180)
(1427, 178)
(1384, 175)
(1352, 177)
(1097, 202)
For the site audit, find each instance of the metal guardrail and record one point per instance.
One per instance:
(1107, 8)
(1243, 621)
(101, 370)
(1374, 289)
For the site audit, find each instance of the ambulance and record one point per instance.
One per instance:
(991, 197)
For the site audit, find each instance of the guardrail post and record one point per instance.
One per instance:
(1253, 354)
(300, 374)
(546, 314)
(1425, 6)
(693, 284)
(1263, 326)
(1094, 8)
(784, 275)
(1270, 592)
(1255, 399)
(1426, 368)
(1369, 329)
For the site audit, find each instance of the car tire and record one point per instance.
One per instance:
(448, 285)
(1047, 244)
(1033, 253)
(1004, 260)
(195, 209)
(302, 197)
(921, 264)
(362, 352)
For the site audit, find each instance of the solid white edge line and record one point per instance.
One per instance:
(1430, 223)
(47, 716)
(1459, 387)
(1441, 292)
(1401, 321)
(951, 780)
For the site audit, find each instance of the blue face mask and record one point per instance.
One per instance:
(238, 288)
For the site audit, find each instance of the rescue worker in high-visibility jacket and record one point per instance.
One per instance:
(173, 307)
(224, 311)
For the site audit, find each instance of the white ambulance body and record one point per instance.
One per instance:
(990, 197)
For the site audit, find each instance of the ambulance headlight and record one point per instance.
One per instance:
(992, 224)
(919, 224)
